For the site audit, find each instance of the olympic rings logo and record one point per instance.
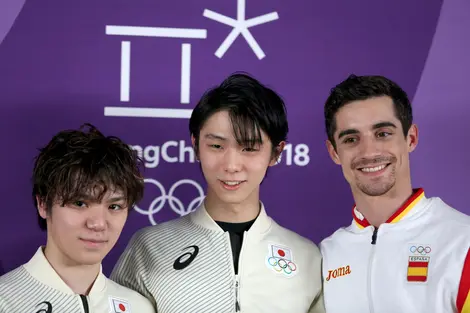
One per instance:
(175, 204)
(282, 265)
(420, 249)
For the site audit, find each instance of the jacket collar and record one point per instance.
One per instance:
(414, 204)
(202, 218)
(40, 268)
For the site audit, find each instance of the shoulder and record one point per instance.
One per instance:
(159, 240)
(441, 208)
(338, 234)
(14, 277)
(166, 228)
(295, 240)
(449, 217)
(453, 227)
(18, 286)
(160, 232)
(137, 301)
(340, 237)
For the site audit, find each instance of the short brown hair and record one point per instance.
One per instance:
(77, 162)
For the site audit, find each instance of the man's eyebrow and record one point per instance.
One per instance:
(117, 199)
(352, 131)
(214, 136)
(345, 132)
(91, 198)
(384, 124)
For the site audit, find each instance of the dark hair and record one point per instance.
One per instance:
(251, 106)
(362, 88)
(76, 163)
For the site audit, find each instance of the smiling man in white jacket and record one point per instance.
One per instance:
(228, 255)
(403, 252)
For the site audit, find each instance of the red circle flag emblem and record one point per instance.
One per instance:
(280, 260)
(120, 306)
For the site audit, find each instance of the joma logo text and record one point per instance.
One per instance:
(341, 271)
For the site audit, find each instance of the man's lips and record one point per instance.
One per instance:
(373, 169)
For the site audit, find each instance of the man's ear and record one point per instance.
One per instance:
(412, 138)
(195, 147)
(277, 153)
(332, 152)
(42, 207)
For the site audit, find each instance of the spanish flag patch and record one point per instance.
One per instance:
(418, 268)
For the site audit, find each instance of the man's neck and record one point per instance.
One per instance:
(221, 211)
(377, 210)
(79, 278)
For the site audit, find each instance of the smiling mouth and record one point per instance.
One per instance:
(232, 182)
(374, 169)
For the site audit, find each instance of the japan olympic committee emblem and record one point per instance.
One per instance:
(280, 260)
(175, 204)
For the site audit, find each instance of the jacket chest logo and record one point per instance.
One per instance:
(46, 309)
(119, 305)
(419, 256)
(281, 260)
(340, 271)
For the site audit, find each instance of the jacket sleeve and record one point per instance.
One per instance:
(463, 297)
(144, 305)
(131, 270)
(318, 306)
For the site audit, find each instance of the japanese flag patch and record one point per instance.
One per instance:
(119, 305)
(281, 260)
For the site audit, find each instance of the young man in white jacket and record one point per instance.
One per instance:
(83, 186)
(403, 252)
(228, 255)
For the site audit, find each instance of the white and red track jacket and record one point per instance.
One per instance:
(418, 261)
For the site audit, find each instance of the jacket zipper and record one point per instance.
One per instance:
(237, 304)
(236, 284)
(237, 277)
(374, 236)
(369, 274)
(85, 303)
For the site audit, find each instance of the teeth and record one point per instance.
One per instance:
(373, 169)
(232, 183)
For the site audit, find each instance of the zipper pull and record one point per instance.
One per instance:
(374, 236)
(237, 305)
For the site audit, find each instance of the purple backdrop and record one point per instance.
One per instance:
(63, 63)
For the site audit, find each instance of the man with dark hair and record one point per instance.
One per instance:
(403, 252)
(228, 255)
(83, 187)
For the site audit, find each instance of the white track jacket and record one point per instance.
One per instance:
(416, 262)
(35, 287)
(186, 265)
